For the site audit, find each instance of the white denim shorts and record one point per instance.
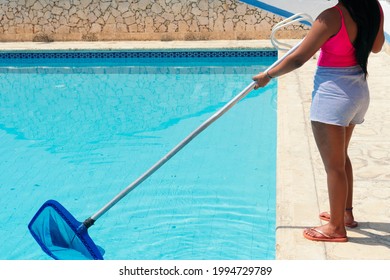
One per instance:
(340, 96)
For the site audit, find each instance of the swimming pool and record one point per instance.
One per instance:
(78, 127)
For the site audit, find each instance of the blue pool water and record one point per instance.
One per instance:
(79, 130)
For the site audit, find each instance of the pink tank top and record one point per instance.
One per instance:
(338, 50)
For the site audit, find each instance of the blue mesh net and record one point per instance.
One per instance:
(61, 236)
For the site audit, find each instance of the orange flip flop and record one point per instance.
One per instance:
(325, 216)
(321, 236)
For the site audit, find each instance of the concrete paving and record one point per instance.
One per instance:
(301, 184)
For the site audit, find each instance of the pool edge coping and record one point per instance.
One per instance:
(134, 45)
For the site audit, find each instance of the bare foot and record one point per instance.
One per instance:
(320, 234)
(348, 218)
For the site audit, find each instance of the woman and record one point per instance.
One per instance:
(346, 34)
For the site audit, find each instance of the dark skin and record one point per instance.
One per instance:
(332, 140)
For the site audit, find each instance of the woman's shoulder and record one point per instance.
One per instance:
(331, 18)
(330, 14)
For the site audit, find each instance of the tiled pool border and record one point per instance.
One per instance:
(98, 54)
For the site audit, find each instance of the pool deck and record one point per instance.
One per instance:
(301, 185)
(301, 181)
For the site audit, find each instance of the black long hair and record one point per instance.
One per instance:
(366, 14)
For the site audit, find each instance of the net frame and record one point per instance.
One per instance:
(61, 236)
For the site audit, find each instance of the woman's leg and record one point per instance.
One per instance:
(332, 142)
(348, 215)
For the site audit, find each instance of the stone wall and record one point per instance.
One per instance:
(90, 20)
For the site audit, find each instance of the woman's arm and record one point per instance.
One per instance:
(380, 37)
(326, 25)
